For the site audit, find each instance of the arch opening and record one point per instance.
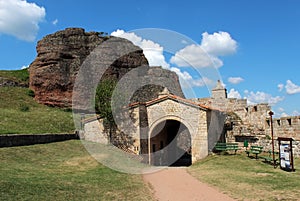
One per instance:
(170, 144)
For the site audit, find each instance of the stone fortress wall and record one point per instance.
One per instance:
(252, 122)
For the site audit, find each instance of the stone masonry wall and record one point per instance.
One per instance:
(285, 127)
(192, 117)
(23, 140)
(267, 144)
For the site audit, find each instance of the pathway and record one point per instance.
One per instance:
(172, 184)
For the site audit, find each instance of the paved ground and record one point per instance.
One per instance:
(174, 184)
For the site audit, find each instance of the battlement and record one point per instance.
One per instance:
(285, 127)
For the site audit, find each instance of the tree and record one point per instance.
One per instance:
(103, 100)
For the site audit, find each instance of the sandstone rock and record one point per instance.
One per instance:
(60, 56)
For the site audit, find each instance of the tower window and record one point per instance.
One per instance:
(255, 108)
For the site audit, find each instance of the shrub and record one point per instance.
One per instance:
(24, 108)
(31, 93)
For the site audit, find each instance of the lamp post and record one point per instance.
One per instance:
(272, 135)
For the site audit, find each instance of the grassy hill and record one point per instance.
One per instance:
(19, 76)
(21, 114)
(63, 171)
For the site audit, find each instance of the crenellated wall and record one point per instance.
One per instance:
(252, 122)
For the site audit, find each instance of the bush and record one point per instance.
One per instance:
(31, 93)
(24, 108)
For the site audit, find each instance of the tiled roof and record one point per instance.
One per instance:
(171, 97)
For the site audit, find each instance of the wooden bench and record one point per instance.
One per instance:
(254, 150)
(222, 146)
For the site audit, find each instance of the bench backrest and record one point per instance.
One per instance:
(256, 148)
(223, 144)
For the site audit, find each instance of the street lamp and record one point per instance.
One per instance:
(272, 134)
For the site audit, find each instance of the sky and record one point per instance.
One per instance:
(251, 45)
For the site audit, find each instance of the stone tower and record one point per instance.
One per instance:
(219, 92)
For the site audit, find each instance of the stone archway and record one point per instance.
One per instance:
(170, 144)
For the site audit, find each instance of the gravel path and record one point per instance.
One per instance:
(174, 184)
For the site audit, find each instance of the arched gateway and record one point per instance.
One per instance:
(168, 130)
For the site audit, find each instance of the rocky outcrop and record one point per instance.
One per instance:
(154, 81)
(60, 56)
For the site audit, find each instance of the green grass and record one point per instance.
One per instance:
(63, 171)
(248, 179)
(21, 114)
(20, 76)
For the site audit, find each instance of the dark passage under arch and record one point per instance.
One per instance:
(170, 144)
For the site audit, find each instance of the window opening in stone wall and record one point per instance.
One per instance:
(246, 109)
(289, 121)
(278, 122)
(268, 122)
(255, 108)
(153, 148)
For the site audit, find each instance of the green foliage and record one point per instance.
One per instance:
(268, 137)
(30, 93)
(63, 171)
(103, 100)
(21, 114)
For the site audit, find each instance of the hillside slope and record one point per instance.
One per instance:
(20, 114)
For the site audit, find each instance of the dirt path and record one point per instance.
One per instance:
(174, 184)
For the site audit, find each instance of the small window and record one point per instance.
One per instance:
(278, 122)
(255, 108)
(268, 122)
(153, 148)
(289, 121)
(246, 109)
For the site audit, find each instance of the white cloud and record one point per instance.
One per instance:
(187, 80)
(54, 22)
(261, 97)
(280, 87)
(184, 75)
(154, 54)
(235, 80)
(234, 94)
(203, 82)
(281, 109)
(24, 67)
(194, 55)
(20, 18)
(152, 51)
(296, 113)
(284, 114)
(291, 88)
(207, 53)
(219, 44)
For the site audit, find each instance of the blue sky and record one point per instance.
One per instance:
(258, 57)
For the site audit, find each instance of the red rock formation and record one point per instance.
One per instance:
(59, 57)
